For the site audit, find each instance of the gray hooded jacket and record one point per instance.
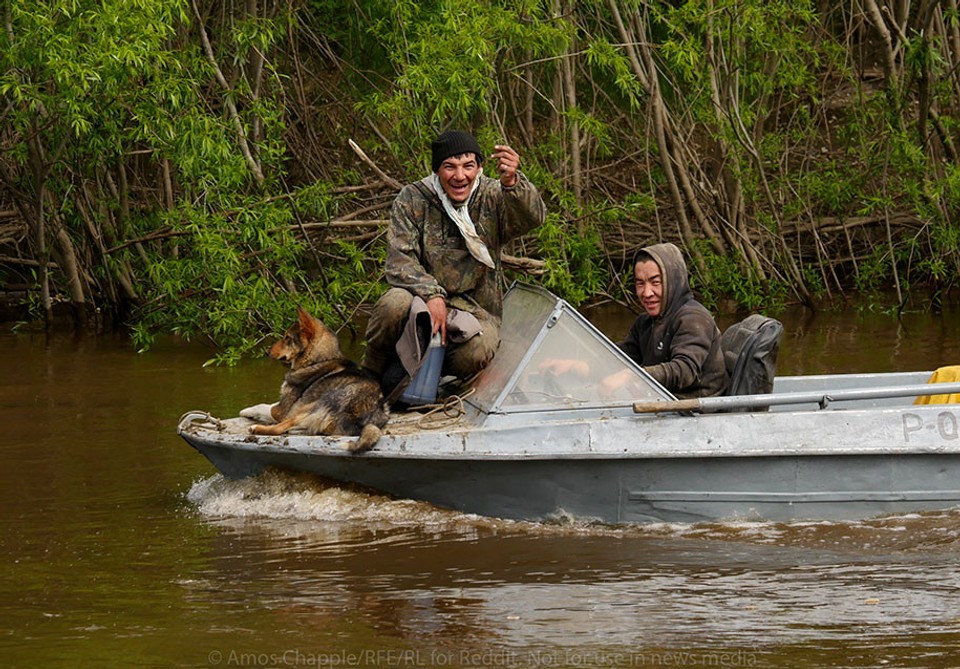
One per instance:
(680, 347)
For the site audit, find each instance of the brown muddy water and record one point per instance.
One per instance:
(122, 548)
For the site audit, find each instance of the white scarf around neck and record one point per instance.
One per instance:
(461, 216)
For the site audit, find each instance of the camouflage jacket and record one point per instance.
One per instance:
(426, 253)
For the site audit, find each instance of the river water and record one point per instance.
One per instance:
(122, 548)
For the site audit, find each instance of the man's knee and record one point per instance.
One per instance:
(389, 315)
(484, 346)
(386, 323)
(393, 306)
(475, 354)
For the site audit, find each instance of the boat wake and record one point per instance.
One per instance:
(289, 496)
(292, 499)
(932, 531)
(282, 496)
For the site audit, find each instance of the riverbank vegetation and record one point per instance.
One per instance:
(198, 166)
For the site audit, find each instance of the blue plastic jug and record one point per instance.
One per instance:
(423, 385)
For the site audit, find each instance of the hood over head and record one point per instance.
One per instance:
(673, 270)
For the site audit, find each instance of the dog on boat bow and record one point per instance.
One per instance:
(324, 393)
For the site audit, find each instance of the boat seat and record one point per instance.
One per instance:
(750, 349)
(949, 374)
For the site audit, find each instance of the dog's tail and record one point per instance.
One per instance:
(368, 438)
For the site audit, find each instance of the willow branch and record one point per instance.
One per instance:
(228, 101)
(390, 181)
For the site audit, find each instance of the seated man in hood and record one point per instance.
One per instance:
(676, 340)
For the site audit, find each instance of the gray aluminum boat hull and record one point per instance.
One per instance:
(781, 465)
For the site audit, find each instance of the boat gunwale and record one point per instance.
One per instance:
(395, 446)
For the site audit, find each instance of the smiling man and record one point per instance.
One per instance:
(676, 340)
(443, 246)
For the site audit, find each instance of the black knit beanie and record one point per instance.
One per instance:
(453, 143)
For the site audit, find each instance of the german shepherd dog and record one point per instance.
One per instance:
(324, 392)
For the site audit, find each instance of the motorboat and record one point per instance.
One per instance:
(530, 439)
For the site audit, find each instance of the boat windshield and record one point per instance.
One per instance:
(551, 357)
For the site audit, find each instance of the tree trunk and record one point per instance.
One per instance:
(573, 124)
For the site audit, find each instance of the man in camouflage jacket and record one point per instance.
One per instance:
(449, 262)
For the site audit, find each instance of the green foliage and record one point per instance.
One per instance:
(573, 259)
(814, 280)
(947, 191)
(446, 57)
(601, 54)
(831, 189)
(352, 280)
(922, 57)
(241, 277)
(762, 44)
(91, 82)
(106, 102)
(634, 206)
(874, 272)
(724, 277)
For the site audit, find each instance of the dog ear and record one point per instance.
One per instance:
(306, 322)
